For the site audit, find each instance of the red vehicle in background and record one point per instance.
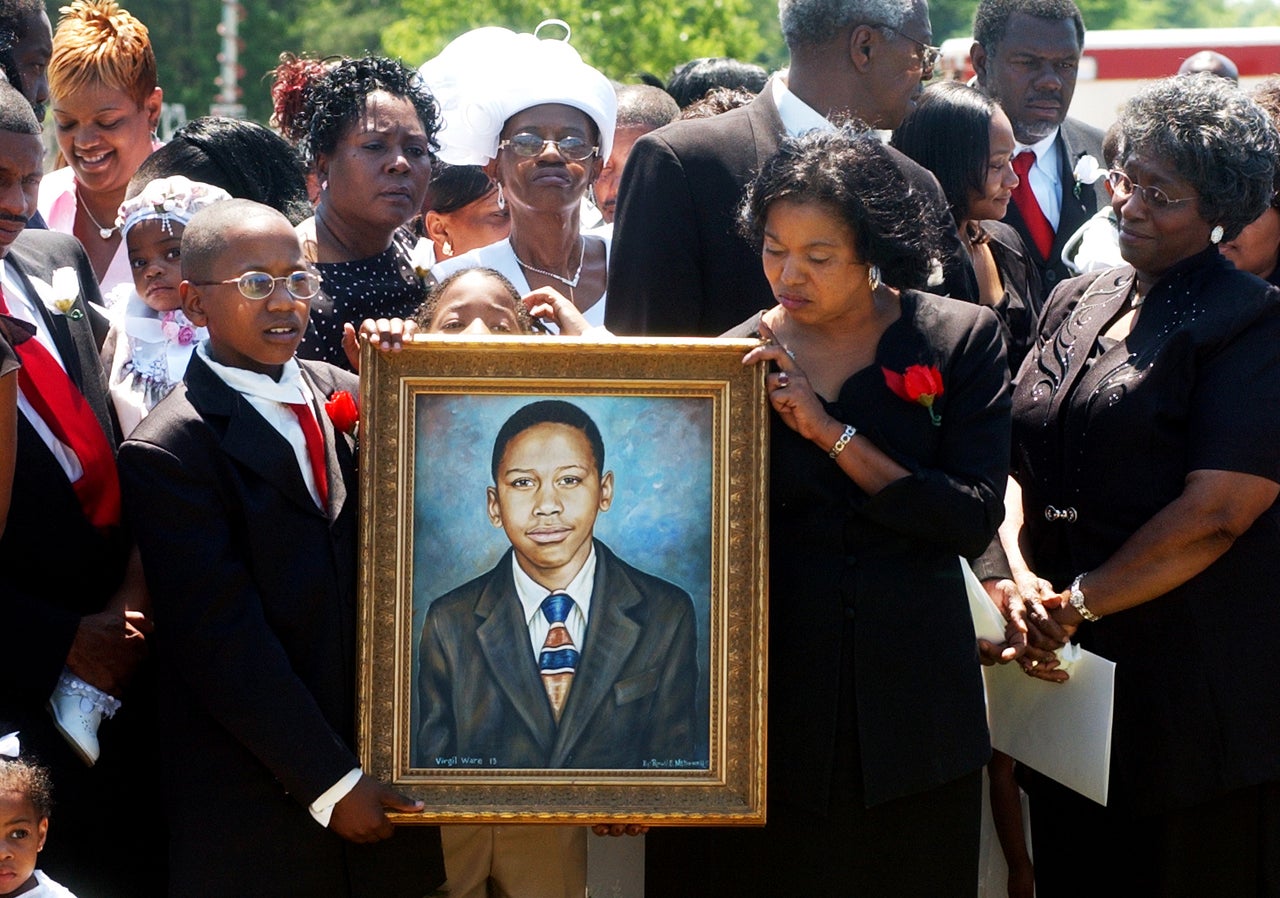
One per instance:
(1115, 64)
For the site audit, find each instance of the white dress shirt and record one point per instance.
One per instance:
(270, 398)
(22, 307)
(532, 595)
(1046, 176)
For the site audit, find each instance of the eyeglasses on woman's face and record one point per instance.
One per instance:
(1123, 187)
(259, 285)
(529, 145)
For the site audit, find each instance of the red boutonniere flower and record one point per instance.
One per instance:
(919, 383)
(343, 412)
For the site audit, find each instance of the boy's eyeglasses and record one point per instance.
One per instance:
(259, 285)
(529, 145)
(1124, 187)
(929, 54)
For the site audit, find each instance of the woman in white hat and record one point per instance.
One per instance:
(541, 122)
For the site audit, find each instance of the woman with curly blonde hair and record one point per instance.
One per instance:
(106, 104)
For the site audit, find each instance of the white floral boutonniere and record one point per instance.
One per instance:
(1087, 171)
(60, 296)
(422, 257)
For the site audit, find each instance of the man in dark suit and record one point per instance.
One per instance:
(242, 495)
(1026, 54)
(505, 680)
(64, 556)
(678, 265)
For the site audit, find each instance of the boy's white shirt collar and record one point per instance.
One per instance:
(531, 595)
(289, 389)
(270, 398)
(532, 592)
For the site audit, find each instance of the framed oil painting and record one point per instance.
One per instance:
(563, 579)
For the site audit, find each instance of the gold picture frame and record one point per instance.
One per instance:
(684, 429)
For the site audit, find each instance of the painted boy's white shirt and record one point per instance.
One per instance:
(532, 594)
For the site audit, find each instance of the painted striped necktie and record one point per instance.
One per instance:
(559, 656)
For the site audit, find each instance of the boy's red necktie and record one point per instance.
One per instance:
(315, 448)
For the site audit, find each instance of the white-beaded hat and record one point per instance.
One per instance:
(487, 75)
(175, 198)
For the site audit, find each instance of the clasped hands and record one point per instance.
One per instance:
(1039, 621)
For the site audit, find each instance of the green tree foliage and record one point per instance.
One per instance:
(954, 18)
(621, 38)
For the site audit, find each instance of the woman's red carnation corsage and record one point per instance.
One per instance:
(343, 412)
(919, 383)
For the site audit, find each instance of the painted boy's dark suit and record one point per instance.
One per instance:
(632, 698)
(57, 568)
(254, 590)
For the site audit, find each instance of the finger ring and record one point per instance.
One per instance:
(783, 379)
(1035, 663)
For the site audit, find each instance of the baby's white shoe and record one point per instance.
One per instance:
(77, 709)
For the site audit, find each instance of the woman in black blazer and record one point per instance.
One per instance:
(888, 451)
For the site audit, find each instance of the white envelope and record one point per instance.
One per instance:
(1062, 730)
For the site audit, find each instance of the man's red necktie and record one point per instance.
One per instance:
(64, 410)
(1025, 199)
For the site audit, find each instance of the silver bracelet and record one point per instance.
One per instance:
(1077, 601)
(849, 431)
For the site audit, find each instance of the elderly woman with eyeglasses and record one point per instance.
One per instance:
(541, 121)
(1143, 517)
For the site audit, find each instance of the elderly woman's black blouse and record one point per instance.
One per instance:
(1105, 434)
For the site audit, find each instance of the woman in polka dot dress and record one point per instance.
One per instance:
(371, 133)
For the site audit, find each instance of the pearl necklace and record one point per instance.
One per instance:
(569, 282)
(104, 233)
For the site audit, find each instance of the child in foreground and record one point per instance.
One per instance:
(25, 804)
(241, 489)
(474, 302)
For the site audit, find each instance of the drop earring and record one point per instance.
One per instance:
(502, 200)
(1215, 236)
(873, 277)
(446, 248)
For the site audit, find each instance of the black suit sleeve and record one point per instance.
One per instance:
(655, 264)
